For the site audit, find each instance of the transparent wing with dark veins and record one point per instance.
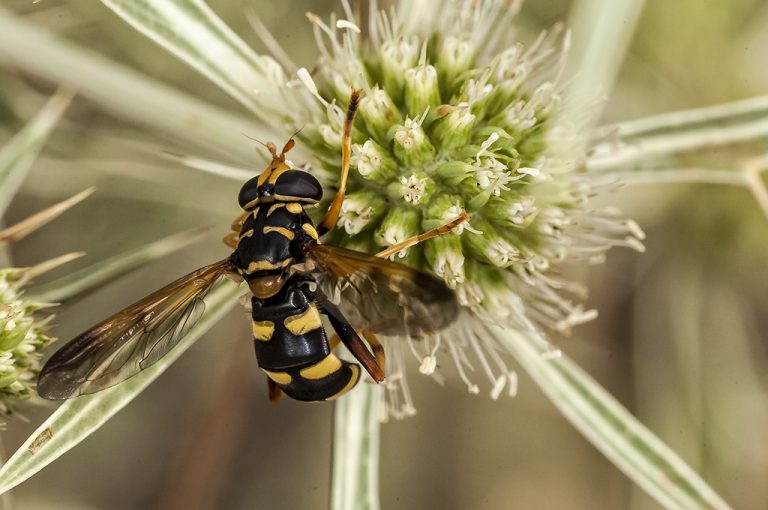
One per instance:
(381, 295)
(131, 340)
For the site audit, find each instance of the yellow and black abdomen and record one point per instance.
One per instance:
(292, 348)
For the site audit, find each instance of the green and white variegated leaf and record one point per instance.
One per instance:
(105, 271)
(633, 143)
(627, 443)
(720, 115)
(78, 418)
(355, 477)
(17, 156)
(124, 92)
(193, 32)
(601, 31)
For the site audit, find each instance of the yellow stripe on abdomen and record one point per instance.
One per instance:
(350, 384)
(279, 377)
(323, 368)
(309, 320)
(263, 330)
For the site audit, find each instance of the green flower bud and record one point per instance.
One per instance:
(359, 210)
(397, 55)
(412, 189)
(373, 162)
(454, 57)
(379, 113)
(446, 258)
(453, 127)
(422, 91)
(410, 144)
(441, 210)
(399, 224)
(492, 247)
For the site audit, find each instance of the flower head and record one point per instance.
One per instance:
(22, 338)
(451, 120)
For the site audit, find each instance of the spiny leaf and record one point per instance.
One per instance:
(105, 271)
(17, 156)
(191, 30)
(116, 87)
(78, 418)
(610, 427)
(37, 220)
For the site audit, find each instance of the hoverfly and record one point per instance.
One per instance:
(278, 253)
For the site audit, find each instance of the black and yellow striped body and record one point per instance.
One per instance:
(290, 341)
(267, 240)
(292, 346)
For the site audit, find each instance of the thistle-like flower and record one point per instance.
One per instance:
(23, 322)
(456, 122)
(22, 338)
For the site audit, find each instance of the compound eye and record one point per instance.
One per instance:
(298, 184)
(249, 192)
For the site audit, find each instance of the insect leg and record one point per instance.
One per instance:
(376, 347)
(346, 142)
(349, 337)
(411, 241)
(275, 393)
(231, 240)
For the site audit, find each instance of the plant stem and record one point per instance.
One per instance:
(355, 470)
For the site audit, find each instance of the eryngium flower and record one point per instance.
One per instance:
(22, 338)
(465, 121)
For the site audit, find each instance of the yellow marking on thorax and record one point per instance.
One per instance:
(289, 198)
(250, 204)
(265, 265)
(262, 330)
(279, 170)
(274, 207)
(310, 230)
(238, 223)
(280, 230)
(350, 384)
(323, 368)
(255, 212)
(294, 208)
(279, 377)
(309, 320)
(247, 233)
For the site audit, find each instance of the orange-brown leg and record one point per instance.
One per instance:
(231, 238)
(275, 393)
(238, 223)
(346, 147)
(376, 347)
(412, 241)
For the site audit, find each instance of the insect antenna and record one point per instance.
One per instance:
(269, 145)
(290, 143)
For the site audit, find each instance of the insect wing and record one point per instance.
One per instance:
(381, 295)
(129, 341)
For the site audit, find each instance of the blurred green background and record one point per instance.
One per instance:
(680, 340)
